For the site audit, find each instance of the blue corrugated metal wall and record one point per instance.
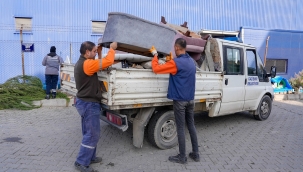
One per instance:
(59, 23)
(283, 44)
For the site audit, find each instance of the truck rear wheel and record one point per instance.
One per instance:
(264, 108)
(162, 130)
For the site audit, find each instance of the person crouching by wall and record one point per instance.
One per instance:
(52, 63)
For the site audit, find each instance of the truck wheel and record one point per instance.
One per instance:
(264, 108)
(162, 130)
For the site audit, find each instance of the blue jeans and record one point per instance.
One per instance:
(51, 82)
(184, 112)
(90, 119)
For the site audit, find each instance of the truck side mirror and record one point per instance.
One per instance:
(272, 73)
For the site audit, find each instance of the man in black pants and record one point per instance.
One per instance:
(181, 90)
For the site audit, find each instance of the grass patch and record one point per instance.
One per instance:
(19, 93)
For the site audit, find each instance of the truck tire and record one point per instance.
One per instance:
(264, 108)
(162, 130)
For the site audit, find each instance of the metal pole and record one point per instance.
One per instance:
(70, 52)
(22, 54)
(265, 54)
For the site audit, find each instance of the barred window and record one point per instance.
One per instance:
(23, 22)
(281, 65)
(98, 27)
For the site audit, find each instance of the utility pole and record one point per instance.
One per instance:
(265, 54)
(22, 53)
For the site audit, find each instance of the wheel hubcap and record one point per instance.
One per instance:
(264, 108)
(168, 131)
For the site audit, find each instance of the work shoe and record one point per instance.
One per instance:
(54, 95)
(47, 96)
(96, 160)
(177, 159)
(83, 168)
(194, 156)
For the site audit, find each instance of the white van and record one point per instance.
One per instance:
(138, 96)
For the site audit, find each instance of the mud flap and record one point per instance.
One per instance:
(139, 124)
(214, 110)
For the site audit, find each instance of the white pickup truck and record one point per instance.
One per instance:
(138, 96)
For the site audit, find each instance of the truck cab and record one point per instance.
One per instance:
(245, 81)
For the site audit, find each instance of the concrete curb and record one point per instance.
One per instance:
(54, 103)
(280, 97)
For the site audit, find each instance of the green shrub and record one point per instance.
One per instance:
(19, 93)
(297, 80)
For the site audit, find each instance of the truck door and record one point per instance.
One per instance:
(256, 82)
(234, 79)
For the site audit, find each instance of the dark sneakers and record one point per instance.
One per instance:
(177, 159)
(194, 156)
(96, 160)
(53, 95)
(47, 96)
(83, 168)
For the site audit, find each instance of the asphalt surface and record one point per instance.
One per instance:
(48, 139)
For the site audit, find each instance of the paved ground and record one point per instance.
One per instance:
(47, 139)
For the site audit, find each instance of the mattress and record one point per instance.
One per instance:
(136, 35)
